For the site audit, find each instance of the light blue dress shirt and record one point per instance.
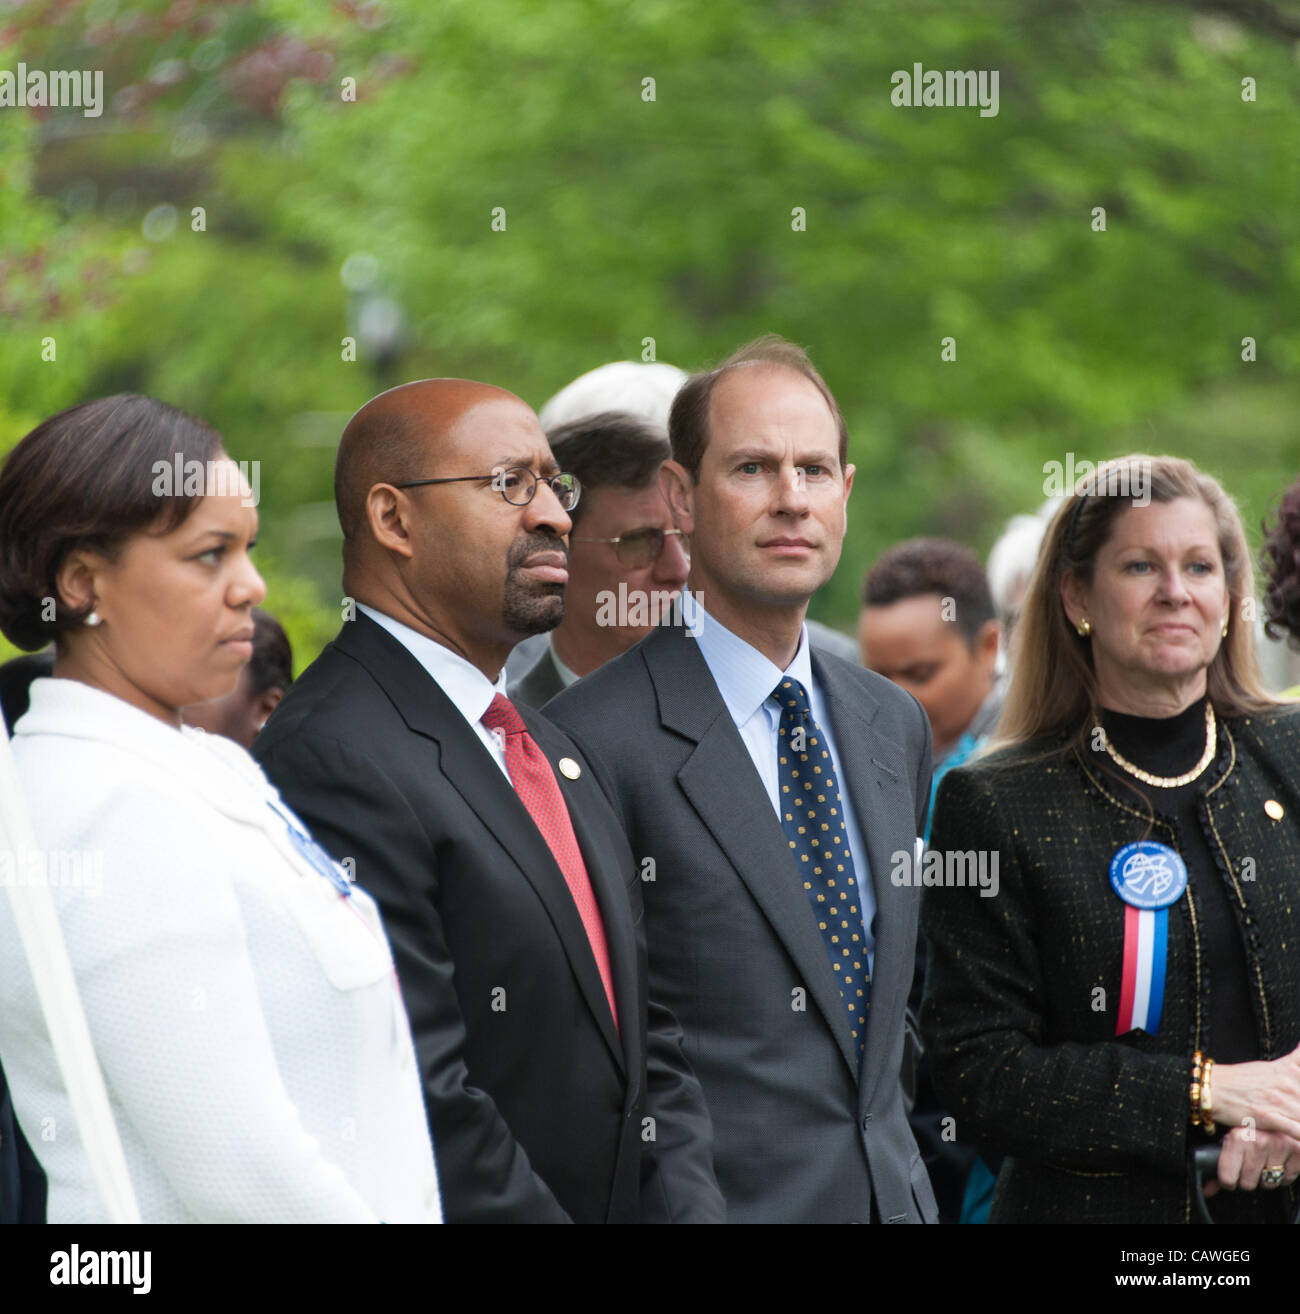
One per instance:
(746, 679)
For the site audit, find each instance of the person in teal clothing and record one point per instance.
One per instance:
(928, 624)
(967, 745)
(977, 1199)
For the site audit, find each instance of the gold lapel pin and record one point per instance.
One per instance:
(1274, 809)
(569, 769)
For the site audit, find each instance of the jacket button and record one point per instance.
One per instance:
(866, 1121)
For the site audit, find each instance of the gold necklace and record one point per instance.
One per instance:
(1170, 782)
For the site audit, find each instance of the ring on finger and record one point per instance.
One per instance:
(1272, 1176)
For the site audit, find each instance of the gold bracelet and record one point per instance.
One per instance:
(1207, 1103)
(1195, 1094)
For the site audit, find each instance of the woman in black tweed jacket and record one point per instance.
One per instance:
(1134, 714)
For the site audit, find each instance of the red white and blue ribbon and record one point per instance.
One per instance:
(1148, 877)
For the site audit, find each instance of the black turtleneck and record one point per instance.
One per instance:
(1171, 746)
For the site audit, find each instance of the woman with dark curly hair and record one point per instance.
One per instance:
(1280, 557)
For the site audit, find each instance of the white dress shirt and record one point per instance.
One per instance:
(746, 680)
(470, 691)
(246, 1015)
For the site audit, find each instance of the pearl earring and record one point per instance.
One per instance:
(93, 619)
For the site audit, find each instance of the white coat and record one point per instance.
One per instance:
(246, 1014)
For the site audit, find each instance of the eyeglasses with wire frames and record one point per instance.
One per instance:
(639, 547)
(517, 484)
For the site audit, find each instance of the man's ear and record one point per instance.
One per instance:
(987, 640)
(388, 512)
(678, 488)
(267, 701)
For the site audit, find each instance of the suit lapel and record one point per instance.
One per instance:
(722, 785)
(604, 867)
(876, 777)
(468, 767)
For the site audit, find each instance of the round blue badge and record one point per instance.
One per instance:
(1148, 875)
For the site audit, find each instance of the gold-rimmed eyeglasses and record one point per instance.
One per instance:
(639, 547)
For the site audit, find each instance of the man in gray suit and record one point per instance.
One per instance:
(770, 793)
(610, 428)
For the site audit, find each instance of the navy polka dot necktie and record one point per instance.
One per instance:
(812, 816)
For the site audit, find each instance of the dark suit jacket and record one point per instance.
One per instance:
(734, 950)
(1024, 1051)
(541, 1111)
(16, 676)
(22, 1182)
(539, 683)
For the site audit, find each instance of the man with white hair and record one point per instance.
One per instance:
(645, 390)
(1013, 558)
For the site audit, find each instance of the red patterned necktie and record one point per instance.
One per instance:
(534, 782)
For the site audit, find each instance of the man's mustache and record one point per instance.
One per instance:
(523, 548)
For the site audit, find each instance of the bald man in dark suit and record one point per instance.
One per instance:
(556, 1089)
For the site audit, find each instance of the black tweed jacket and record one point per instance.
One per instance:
(1023, 988)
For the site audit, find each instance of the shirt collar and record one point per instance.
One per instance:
(220, 770)
(468, 688)
(744, 676)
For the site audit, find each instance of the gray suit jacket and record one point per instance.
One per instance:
(542, 681)
(734, 951)
(539, 684)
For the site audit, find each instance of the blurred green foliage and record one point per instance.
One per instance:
(628, 218)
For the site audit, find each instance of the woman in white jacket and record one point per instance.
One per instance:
(240, 992)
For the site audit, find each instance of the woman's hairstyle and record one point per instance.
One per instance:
(86, 479)
(1053, 687)
(1280, 558)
